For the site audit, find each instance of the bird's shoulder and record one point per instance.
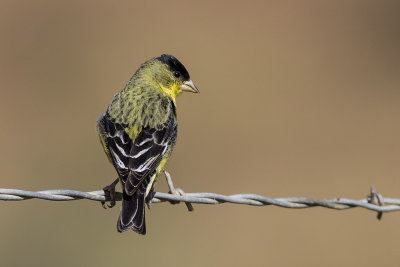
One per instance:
(139, 109)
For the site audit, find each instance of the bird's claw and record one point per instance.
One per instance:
(149, 198)
(109, 193)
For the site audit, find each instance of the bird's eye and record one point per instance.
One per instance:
(177, 74)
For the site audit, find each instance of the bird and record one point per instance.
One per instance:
(138, 132)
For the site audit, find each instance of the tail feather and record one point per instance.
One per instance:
(133, 213)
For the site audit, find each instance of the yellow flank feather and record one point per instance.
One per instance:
(159, 170)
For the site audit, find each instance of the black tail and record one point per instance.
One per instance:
(132, 214)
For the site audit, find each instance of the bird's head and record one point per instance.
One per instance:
(169, 74)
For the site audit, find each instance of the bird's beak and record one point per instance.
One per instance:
(189, 86)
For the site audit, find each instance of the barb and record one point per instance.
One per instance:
(369, 203)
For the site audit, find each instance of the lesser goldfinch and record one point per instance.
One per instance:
(139, 130)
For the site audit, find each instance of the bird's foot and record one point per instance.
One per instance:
(109, 193)
(176, 191)
(149, 197)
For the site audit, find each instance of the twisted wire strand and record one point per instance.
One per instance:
(383, 205)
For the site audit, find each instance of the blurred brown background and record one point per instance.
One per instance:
(297, 98)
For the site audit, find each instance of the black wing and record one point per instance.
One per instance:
(136, 161)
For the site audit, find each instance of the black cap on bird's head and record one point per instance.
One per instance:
(175, 66)
(179, 71)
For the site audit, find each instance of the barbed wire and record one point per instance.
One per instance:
(374, 201)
